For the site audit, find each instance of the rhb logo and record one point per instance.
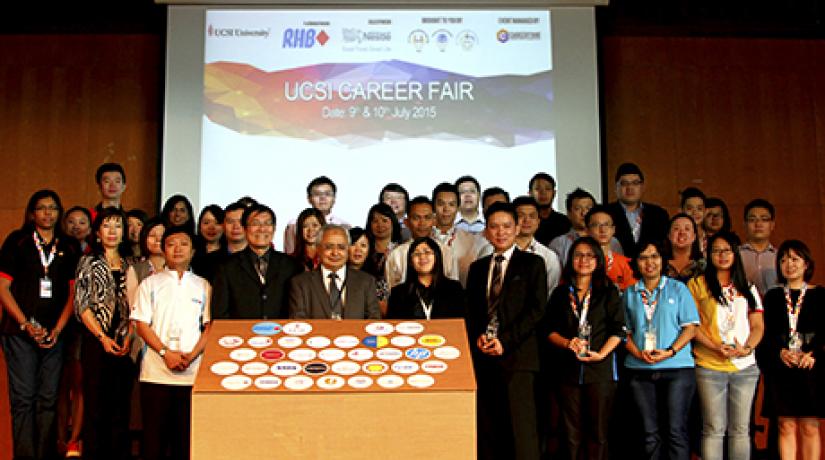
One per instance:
(304, 38)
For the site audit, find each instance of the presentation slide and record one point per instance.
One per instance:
(369, 97)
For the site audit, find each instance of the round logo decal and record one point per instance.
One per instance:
(330, 382)
(417, 353)
(374, 341)
(374, 367)
(268, 382)
(404, 367)
(379, 328)
(255, 368)
(298, 382)
(285, 368)
(360, 354)
(316, 368)
(389, 354)
(331, 354)
(434, 367)
(448, 352)
(243, 354)
(403, 341)
(224, 368)
(360, 381)
(272, 354)
(345, 367)
(431, 340)
(236, 382)
(230, 341)
(259, 341)
(346, 341)
(290, 341)
(420, 380)
(302, 355)
(318, 342)
(266, 328)
(409, 327)
(297, 328)
(390, 381)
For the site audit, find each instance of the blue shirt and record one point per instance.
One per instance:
(675, 309)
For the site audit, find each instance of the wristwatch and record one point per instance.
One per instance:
(162, 352)
(23, 325)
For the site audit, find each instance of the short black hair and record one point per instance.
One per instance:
(691, 192)
(760, 203)
(109, 167)
(385, 210)
(659, 246)
(394, 187)
(321, 180)
(111, 212)
(714, 202)
(525, 200)
(472, 179)
(577, 194)
(599, 277)
(234, 207)
(144, 234)
(599, 208)
(541, 176)
(629, 168)
(444, 187)
(174, 231)
(420, 199)
(491, 191)
(256, 209)
(801, 249)
(138, 214)
(501, 207)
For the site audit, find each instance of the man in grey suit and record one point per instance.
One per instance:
(333, 291)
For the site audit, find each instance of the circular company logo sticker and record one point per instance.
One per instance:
(431, 340)
(331, 354)
(417, 353)
(259, 341)
(230, 341)
(318, 342)
(236, 382)
(302, 355)
(255, 368)
(266, 328)
(224, 368)
(345, 367)
(420, 380)
(360, 354)
(404, 367)
(448, 352)
(298, 382)
(290, 341)
(285, 368)
(346, 341)
(316, 368)
(409, 327)
(297, 328)
(389, 354)
(434, 367)
(272, 354)
(243, 354)
(330, 382)
(379, 328)
(374, 341)
(360, 382)
(390, 381)
(268, 382)
(374, 367)
(402, 341)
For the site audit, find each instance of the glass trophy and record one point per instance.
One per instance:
(650, 339)
(584, 336)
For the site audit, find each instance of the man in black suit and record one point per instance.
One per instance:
(252, 283)
(333, 291)
(506, 294)
(634, 220)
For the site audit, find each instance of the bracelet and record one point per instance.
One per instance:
(670, 349)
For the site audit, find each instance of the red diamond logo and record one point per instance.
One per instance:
(322, 38)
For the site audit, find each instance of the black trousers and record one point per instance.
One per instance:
(166, 420)
(507, 415)
(107, 390)
(586, 411)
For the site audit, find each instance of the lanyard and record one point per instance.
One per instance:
(609, 260)
(793, 310)
(585, 305)
(649, 303)
(43, 260)
(428, 308)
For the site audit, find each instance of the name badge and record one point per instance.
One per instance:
(650, 340)
(45, 288)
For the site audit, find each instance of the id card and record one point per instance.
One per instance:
(650, 340)
(45, 288)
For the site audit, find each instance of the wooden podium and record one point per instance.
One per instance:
(325, 389)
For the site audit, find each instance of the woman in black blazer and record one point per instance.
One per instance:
(426, 293)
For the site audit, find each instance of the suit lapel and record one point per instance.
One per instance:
(318, 286)
(246, 265)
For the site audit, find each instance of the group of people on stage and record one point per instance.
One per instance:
(612, 310)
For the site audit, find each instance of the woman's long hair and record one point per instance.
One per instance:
(438, 263)
(599, 277)
(737, 270)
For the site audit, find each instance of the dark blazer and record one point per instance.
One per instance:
(448, 301)
(521, 309)
(238, 293)
(606, 319)
(309, 299)
(654, 226)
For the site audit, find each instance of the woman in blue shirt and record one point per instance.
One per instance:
(661, 317)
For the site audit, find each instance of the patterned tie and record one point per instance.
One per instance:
(495, 290)
(261, 267)
(334, 295)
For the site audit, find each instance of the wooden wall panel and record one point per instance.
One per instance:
(739, 118)
(71, 102)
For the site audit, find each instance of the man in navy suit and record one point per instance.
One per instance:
(635, 220)
(506, 292)
(252, 283)
(333, 291)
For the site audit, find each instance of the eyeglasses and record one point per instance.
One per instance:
(259, 224)
(419, 254)
(720, 252)
(599, 226)
(651, 257)
(585, 256)
(46, 208)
